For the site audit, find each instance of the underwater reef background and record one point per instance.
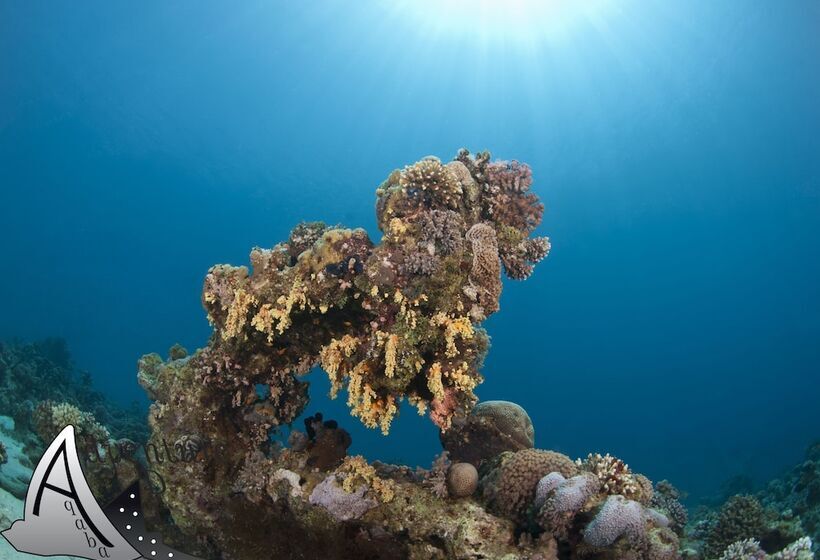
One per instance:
(676, 321)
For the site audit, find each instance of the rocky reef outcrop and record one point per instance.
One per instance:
(778, 522)
(34, 372)
(388, 321)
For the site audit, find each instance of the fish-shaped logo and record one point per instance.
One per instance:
(62, 517)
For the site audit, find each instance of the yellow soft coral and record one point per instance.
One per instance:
(267, 315)
(355, 472)
(434, 382)
(332, 357)
(453, 327)
(238, 313)
(365, 404)
(461, 378)
(390, 353)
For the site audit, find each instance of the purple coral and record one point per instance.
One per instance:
(508, 201)
(569, 496)
(545, 486)
(617, 517)
(340, 504)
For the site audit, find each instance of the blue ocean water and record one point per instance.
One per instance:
(676, 323)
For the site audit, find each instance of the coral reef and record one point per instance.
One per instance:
(107, 463)
(389, 321)
(744, 518)
(490, 429)
(386, 321)
(750, 549)
(666, 499)
(797, 493)
(40, 371)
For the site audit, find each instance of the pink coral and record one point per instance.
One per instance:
(442, 409)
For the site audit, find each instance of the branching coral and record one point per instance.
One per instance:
(436, 478)
(614, 475)
(749, 549)
(666, 498)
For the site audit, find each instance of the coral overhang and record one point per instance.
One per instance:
(388, 321)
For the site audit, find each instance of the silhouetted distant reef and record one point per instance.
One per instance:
(34, 372)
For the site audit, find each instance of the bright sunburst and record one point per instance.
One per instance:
(503, 21)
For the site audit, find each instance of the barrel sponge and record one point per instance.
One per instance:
(510, 480)
(462, 480)
(617, 517)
